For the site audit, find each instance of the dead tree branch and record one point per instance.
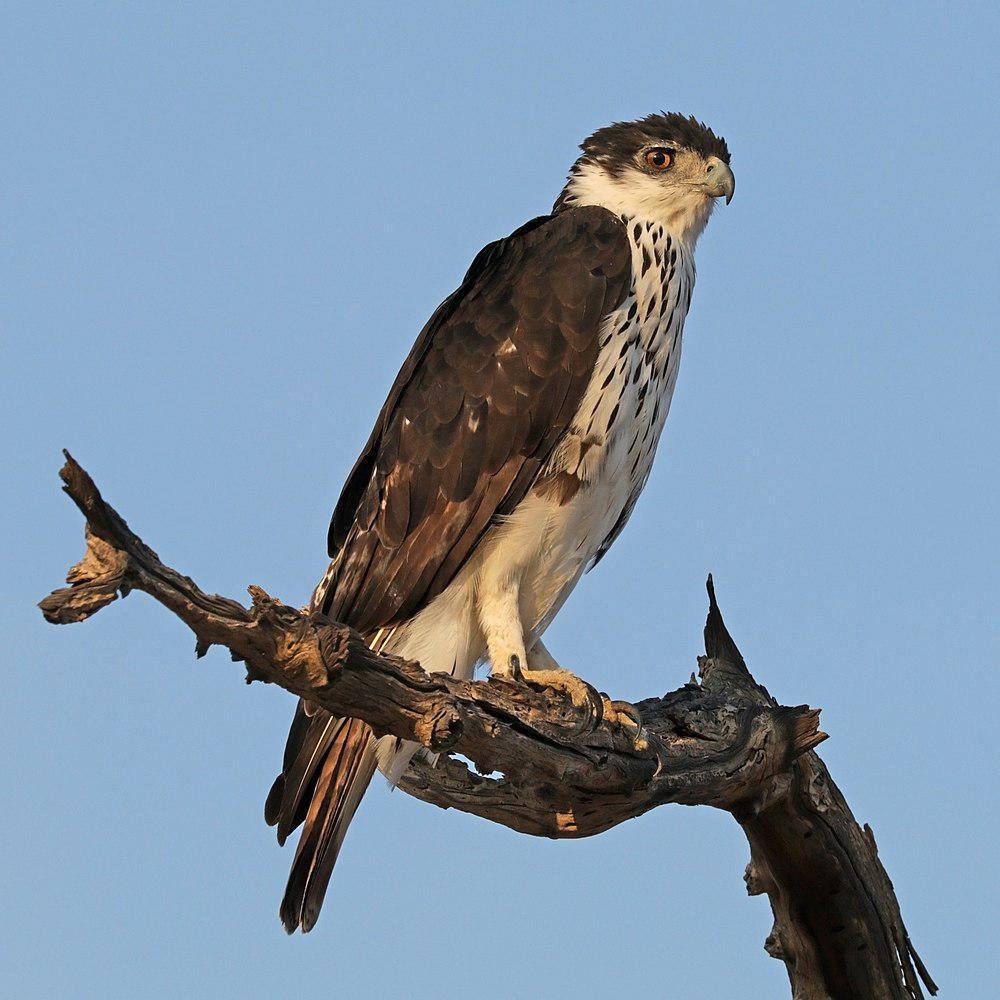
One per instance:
(722, 742)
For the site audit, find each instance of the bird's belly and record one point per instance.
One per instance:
(560, 540)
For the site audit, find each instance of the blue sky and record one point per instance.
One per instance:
(222, 226)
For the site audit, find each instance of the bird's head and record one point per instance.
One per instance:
(664, 167)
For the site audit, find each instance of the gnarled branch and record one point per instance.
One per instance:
(547, 769)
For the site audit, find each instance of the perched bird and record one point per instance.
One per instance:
(508, 456)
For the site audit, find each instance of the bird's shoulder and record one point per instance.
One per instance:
(589, 232)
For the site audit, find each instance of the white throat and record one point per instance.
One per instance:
(683, 213)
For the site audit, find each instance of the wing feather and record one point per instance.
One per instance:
(481, 402)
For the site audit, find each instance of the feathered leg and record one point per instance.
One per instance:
(500, 619)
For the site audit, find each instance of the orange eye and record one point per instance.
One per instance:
(660, 158)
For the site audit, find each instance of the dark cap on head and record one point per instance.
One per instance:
(617, 144)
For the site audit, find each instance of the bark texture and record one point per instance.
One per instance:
(548, 768)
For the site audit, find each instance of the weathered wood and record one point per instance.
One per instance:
(549, 769)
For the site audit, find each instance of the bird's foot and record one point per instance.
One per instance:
(579, 692)
(628, 718)
(595, 705)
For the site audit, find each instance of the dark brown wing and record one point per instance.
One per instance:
(491, 384)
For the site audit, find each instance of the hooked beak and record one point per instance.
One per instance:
(719, 179)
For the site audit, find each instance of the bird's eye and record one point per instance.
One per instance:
(659, 158)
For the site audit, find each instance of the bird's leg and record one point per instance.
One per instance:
(500, 619)
(498, 605)
(539, 658)
(543, 668)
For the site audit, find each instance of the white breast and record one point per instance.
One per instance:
(629, 395)
(614, 435)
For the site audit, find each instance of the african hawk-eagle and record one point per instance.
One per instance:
(509, 454)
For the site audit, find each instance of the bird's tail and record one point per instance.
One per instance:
(328, 765)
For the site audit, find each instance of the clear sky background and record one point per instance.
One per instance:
(221, 228)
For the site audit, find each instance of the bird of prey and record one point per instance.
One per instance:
(508, 456)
